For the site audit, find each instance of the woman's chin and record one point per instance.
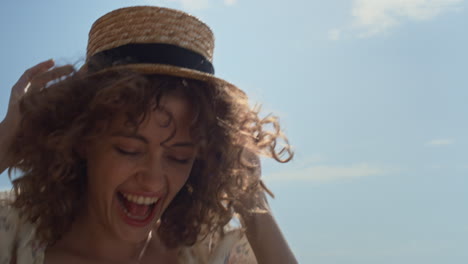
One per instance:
(129, 234)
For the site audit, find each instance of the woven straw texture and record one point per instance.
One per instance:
(150, 24)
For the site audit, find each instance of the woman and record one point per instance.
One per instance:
(140, 156)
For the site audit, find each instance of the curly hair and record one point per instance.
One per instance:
(51, 186)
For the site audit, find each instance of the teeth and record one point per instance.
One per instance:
(140, 199)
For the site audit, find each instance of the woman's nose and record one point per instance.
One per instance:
(153, 175)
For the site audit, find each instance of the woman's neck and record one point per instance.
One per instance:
(89, 240)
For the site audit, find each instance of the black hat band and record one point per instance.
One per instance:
(150, 53)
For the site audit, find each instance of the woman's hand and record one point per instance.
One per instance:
(256, 202)
(35, 78)
(263, 233)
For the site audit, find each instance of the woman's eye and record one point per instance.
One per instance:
(126, 152)
(180, 161)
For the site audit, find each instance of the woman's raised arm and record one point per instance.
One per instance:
(34, 78)
(263, 233)
(265, 237)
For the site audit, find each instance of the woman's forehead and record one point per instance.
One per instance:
(172, 112)
(179, 106)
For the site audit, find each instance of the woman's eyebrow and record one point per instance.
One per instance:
(131, 135)
(182, 145)
(137, 136)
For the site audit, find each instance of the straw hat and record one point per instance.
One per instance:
(152, 40)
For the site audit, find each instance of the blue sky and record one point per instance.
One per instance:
(372, 94)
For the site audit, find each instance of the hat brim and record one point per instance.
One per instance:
(171, 71)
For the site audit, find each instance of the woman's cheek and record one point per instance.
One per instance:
(179, 175)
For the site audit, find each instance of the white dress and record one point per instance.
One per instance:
(17, 240)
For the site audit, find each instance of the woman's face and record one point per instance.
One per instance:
(132, 177)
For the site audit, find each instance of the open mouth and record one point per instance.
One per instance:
(137, 210)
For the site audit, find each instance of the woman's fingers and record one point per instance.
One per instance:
(23, 82)
(34, 78)
(41, 79)
(30, 73)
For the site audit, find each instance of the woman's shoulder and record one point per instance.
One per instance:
(17, 235)
(9, 218)
(230, 247)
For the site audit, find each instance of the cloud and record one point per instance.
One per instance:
(334, 34)
(230, 2)
(324, 173)
(372, 17)
(440, 142)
